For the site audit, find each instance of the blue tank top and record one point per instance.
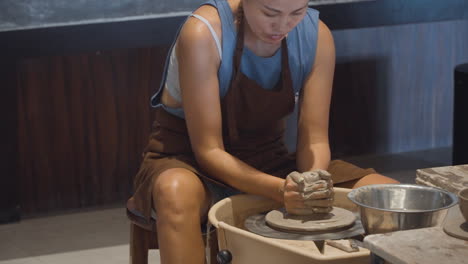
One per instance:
(302, 44)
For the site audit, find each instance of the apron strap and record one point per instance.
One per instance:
(233, 133)
(232, 99)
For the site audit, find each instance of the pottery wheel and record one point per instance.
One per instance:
(337, 218)
(256, 224)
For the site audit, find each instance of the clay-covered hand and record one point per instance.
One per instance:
(293, 200)
(314, 192)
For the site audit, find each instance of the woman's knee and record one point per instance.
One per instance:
(376, 178)
(369, 179)
(179, 192)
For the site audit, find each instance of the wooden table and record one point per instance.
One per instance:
(424, 246)
(449, 178)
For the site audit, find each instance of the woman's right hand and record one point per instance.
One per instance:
(308, 193)
(293, 200)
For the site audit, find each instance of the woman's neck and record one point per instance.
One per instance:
(251, 40)
(258, 46)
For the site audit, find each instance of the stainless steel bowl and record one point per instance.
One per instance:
(391, 207)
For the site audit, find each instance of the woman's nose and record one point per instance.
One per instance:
(282, 25)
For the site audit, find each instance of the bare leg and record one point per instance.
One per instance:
(181, 201)
(367, 180)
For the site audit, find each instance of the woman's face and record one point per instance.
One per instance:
(272, 20)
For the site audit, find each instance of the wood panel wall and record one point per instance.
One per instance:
(83, 122)
(9, 198)
(84, 119)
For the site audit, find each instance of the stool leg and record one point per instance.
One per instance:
(213, 248)
(141, 241)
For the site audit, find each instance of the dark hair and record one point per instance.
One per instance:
(240, 13)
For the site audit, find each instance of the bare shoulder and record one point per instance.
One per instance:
(210, 13)
(196, 38)
(324, 34)
(197, 31)
(325, 45)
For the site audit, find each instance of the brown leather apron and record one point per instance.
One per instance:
(253, 129)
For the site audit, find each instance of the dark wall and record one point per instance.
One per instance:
(398, 83)
(9, 197)
(393, 87)
(16, 14)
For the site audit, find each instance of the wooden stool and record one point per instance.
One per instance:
(143, 237)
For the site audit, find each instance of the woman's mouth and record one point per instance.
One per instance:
(275, 37)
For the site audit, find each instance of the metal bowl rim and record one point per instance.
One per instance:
(352, 196)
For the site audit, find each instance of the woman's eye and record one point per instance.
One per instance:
(297, 13)
(270, 15)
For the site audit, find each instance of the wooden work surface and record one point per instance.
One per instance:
(450, 178)
(424, 246)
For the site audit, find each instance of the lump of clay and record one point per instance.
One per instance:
(316, 187)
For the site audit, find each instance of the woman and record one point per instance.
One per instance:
(232, 79)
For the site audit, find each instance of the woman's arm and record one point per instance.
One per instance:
(198, 72)
(313, 149)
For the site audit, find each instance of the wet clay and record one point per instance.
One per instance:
(335, 219)
(316, 188)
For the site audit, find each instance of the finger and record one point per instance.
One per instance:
(318, 194)
(321, 210)
(310, 176)
(324, 175)
(296, 177)
(296, 204)
(291, 186)
(300, 211)
(293, 196)
(328, 202)
(316, 186)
